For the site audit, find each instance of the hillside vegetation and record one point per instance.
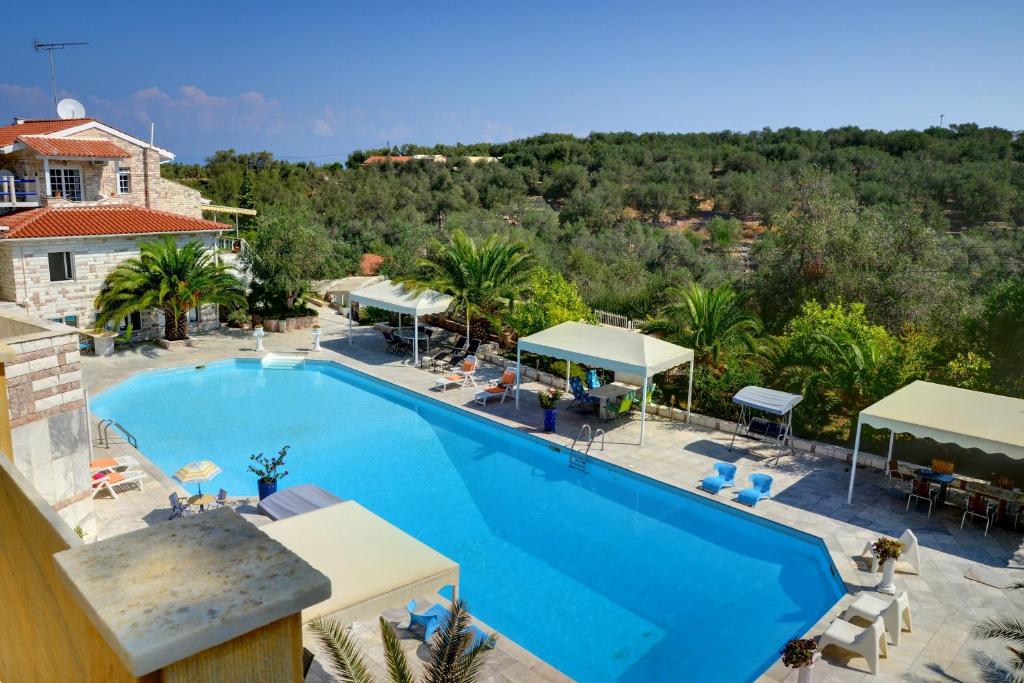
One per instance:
(905, 247)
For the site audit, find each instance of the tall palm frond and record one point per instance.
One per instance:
(342, 656)
(481, 278)
(710, 321)
(1004, 628)
(169, 279)
(451, 658)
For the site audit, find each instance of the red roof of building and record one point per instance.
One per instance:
(370, 264)
(73, 147)
(89, 221)
(381, 159)
(8, 134)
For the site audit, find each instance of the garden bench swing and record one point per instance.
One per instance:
(776, 431)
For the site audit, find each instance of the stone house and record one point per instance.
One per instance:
(77, 197)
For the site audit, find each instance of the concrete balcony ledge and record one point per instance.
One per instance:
(162, 594)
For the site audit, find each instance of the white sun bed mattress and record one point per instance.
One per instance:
(296, 500)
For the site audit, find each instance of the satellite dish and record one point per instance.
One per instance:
(70, 109)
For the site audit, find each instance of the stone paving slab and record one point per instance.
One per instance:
(810, 495)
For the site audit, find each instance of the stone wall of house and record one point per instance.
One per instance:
(99, 178)
(93, 258)
(49, 422)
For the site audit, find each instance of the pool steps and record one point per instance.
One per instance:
(283, 360)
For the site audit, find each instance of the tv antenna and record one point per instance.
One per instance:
(941, 118)
(49, 48)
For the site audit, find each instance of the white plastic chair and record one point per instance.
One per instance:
(894, 611)
(868, 642)
(911, 553)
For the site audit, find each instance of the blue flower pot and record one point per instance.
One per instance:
(549, 419)
(265, 488)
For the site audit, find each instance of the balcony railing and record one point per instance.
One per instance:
(18, 192)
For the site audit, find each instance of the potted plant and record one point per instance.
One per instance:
(268, 470)
(801, 654)
(887, 550)
(549, 402)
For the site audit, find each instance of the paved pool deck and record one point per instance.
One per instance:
(810, 495)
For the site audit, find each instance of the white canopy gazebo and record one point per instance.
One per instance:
(392, 296)
(345, 285)
(631, 353)
(972, 419)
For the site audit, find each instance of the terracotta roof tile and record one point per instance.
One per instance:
(74, 147)
(99, 220)
(381, 159)
(9, 134)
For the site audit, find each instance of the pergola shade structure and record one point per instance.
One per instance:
(971, 419)
(610, 348)
(395, 297)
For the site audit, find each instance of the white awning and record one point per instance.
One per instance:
(610, 348)
(607, 347)
(971, 419)
(395, 297)
(372, 565)
(345, 284)
(768, 400)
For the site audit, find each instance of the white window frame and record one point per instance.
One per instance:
(124, 180)
(59, 182)
(69, 265)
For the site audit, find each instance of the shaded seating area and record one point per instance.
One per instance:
(634, 358)
(391, 296)
(950, 415)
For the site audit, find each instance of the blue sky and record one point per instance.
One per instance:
(319, 79)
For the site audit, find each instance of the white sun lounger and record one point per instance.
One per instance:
(110, 480)
(296, 500)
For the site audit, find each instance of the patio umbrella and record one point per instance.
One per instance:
(198, 471)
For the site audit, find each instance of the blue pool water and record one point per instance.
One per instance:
(606, 575)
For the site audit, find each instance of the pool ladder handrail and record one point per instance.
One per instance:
(579, 460)
(104, 429)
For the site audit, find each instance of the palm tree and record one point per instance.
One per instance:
(844, 370)
(1006, 628)
(452, 660)
(170, 279)
(480, 278)
(710, 321)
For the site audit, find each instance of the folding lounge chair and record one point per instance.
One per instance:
(911, 554)
(761, 488)
(470, 351)
(499, 387)
(221, 501)
(444, 357)
(726, 477)
(179, 508)
(868, 642)
(894, 611)
(108, 480)
(464, 376)
(580, 395)
(111, 464)
(430, 619)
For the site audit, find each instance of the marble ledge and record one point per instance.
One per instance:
(161, 594)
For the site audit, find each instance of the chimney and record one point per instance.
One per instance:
(18, 120)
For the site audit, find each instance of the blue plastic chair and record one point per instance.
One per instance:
(762, 488)
(430, 619)
(593, 382)
(726, 477)
(478, 636)
(579, 394)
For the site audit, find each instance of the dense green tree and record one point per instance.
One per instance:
(553, 300)
(169, 279)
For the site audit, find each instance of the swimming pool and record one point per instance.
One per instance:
(604, 574)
